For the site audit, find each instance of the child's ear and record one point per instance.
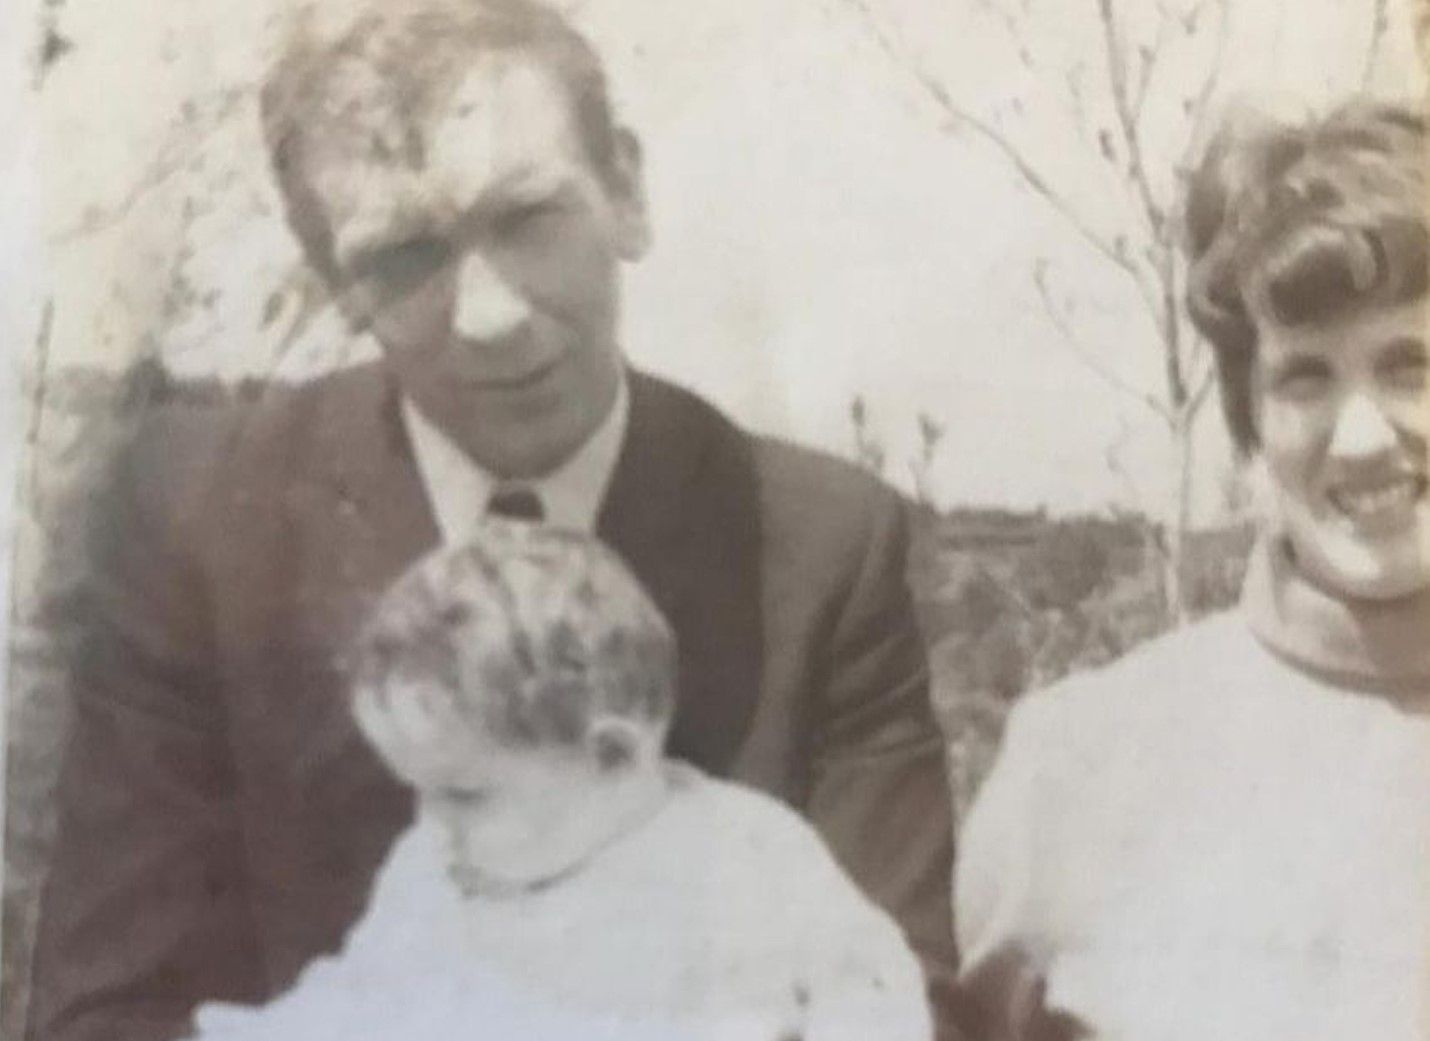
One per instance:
(626, 192)
(616, 744)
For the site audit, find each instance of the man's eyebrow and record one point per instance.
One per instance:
(378, 236)
(522, 187)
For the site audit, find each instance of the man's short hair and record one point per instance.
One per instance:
(392, 63)
(527, 633)
(1302, 224)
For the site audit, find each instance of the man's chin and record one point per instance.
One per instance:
(532, 449)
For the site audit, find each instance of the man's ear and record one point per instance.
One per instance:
(628, 198)
(616, 744)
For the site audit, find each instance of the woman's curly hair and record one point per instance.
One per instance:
(1299, 224)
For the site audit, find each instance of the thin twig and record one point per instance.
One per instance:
(37, 414)
(1380, 22)
(1035, 180)
(1060, 323)
(1198, 105)
(1151, 55)
(1031, 176)
(169, 162)
(1127, 118)
(1204, 383)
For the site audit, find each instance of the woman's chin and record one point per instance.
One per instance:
(1379, 571)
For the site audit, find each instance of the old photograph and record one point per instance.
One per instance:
(828, 520)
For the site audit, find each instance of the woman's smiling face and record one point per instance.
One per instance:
(1342, 416)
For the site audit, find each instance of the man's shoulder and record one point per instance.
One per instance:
(205, 432)
(785, 468)
(186, 463)
(807, 498)
(825, 521)
(802, 480)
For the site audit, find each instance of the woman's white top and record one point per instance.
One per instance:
(1223, 837)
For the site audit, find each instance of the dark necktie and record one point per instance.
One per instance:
(518, 503)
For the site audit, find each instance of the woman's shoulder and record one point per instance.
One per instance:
(1189, 655)
(1184, 672)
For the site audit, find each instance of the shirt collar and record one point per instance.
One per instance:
(458, 487)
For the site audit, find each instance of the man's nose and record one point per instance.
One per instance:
(1362, 428)
(487, 305)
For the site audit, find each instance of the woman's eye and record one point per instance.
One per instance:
(524, 220)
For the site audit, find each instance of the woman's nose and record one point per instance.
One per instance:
(1362, 429)
(487, 306)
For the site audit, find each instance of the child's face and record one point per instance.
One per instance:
(526, 815)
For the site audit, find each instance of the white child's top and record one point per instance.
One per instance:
(722, 918)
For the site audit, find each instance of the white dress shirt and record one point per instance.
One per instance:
(459, 488)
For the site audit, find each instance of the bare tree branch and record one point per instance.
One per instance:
(1125, 109)
(37, 414)
(1380, 22)
(1040, 184)
(1150, 54)
(51, 44)
(1003, 15)
(957, 115)
(1060, 323)
(1077, 103)
(1172, 339)
(1203, 385)
(1198, 106)
(180, 149)
(1114, 249)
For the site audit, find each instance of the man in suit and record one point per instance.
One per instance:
(453, 171)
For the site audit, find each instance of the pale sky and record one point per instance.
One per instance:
(818, 233)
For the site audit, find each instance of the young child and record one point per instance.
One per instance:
(563, 879)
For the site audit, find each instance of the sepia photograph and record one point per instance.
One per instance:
(620, 520)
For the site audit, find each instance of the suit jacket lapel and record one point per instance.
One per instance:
(683, 510)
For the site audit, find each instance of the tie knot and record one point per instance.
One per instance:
(517, 502)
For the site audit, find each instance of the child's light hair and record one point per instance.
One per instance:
(525, 637)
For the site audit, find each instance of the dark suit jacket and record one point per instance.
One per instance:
(221, 816)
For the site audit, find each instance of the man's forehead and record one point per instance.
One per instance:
(507, 125)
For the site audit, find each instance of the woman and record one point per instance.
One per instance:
(1226, 835)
